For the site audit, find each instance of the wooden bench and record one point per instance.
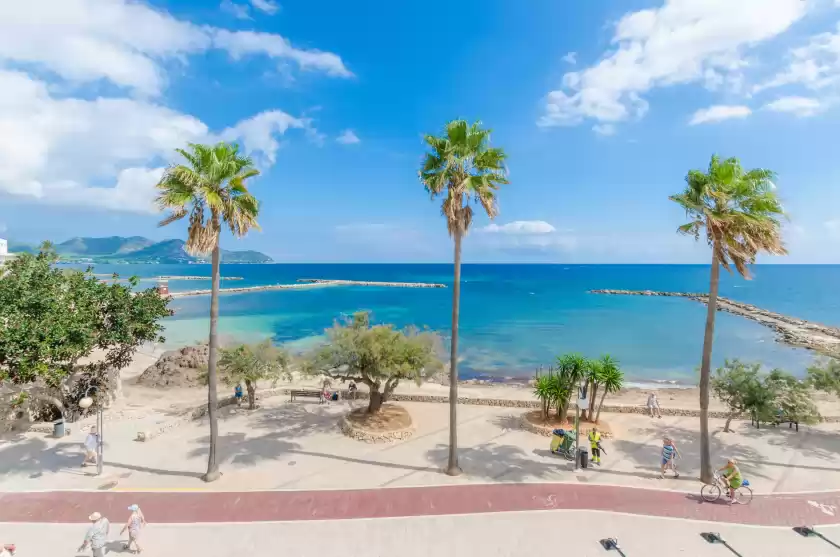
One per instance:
(790, 423)
(309, 394)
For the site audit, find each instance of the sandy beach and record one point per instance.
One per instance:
(173, 399)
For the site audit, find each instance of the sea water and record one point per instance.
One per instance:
(515, 318)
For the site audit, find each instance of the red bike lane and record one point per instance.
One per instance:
(262, 506)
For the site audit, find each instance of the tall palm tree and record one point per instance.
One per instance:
(739, 214)
(211, 189)
(462, 168)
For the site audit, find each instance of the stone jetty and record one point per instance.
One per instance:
(304, 284)
(789, 330)
(333, 282)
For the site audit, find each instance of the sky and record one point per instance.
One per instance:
(602, 108)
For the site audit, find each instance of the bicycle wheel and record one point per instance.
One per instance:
(710, 493)
(743, 495)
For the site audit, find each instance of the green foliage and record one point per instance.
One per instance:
(214, 181)
(740, 387)
(792, 398)
(825, 376)
(608, 378)
(54, 317)
(251, 363)
(377, 355)
(738, 210)
(461, 167)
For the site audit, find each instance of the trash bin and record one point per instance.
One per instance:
(58, 428)
(583, 458)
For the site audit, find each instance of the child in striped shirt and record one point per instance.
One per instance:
(669, 457)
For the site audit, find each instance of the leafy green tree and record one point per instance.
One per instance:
(739, 386)
(378, 356)
(250, 364)
(791, 398)
(211, 190)
(53, 318)
(739, 215)
(610, 379)
(461, 167)
(825, 376)
(547, 390)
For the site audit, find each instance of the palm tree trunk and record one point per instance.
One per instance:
(706, 370)
(452, 468)
(601, 405)
(213, 473)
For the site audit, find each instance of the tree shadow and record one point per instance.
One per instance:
(497, 462)
(818, 443)
(35, 457)
(645, 453)
(155, 471)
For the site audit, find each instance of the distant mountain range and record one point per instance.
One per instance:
(136, 249)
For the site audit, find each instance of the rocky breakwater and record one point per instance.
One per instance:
(790, 330)
(335, 282)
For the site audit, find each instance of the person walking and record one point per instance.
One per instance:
(669, 457)
(653, 405)
(136, 522)
(595, 445)
(97, 535)
(237, 392)
(91, 445)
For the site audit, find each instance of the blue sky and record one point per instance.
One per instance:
(602, 107)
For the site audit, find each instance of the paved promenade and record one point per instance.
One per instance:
(264, 506)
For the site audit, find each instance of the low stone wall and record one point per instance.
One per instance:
(201, 411)
(359, 434)
(545, 430)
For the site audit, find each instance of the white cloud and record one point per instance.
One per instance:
(815, 65)
(525, 236)
(106, 152)
(719, 113)
(242, 43)
(239, 11)
(800, 106)
(570, 58)
(604, 129)
(127, 42)
(259, 133)
(348, 137)
(683, 41)
(519, 227)
(266, 6)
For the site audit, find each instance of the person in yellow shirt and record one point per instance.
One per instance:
(595, 445)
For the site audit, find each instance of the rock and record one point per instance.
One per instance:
(177, 368)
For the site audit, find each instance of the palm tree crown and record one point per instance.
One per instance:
(462, 166)
(214, 182)
(739, 210)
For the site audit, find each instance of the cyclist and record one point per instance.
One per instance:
(730, 478)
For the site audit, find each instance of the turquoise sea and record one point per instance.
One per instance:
(515, 318)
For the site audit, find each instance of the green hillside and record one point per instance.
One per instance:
(136, 249)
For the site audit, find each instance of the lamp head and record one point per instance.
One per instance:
(85, 403)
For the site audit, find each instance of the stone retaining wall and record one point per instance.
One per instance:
(359, 434)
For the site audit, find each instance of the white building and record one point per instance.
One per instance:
(4, 251)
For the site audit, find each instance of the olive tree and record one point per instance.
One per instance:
(251, 363)
(378, 356)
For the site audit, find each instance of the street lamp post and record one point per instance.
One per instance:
(86, 403)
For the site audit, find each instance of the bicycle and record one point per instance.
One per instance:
(712, 492)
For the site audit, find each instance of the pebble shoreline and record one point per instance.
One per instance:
(790, 330)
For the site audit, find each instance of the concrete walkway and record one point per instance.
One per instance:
(532, 534)
(298, 446)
